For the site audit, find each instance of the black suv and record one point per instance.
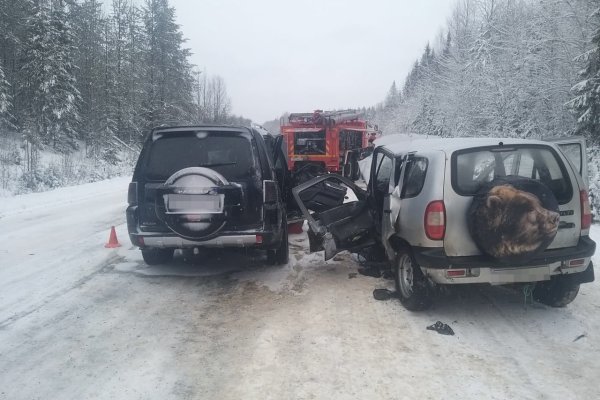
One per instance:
(208, 186)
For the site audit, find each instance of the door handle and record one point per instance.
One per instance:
(387, 211)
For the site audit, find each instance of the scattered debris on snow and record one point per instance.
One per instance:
(441, 328)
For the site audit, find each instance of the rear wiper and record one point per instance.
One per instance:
(217, 164)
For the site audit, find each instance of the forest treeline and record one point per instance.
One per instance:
(99, 73)
(508, 68)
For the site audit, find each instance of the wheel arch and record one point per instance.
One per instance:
(397, 243)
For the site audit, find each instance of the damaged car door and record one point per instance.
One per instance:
(357, 223)
(348, 226)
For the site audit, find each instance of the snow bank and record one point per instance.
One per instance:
(53, 169)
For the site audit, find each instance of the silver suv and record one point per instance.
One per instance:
(460, 211)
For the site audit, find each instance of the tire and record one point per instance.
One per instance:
(192, 226)
(556, 292)
(280, 255)
(154, 256)
(412, 287)
(513, 219)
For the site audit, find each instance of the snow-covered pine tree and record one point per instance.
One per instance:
(586, 104)
(5, 103)
(120, 8)
(49, 66)
(12, 32)
(107, 123)
(169, 80)
(134, 74)
(88, 32)
(393, 97)
(412, 80)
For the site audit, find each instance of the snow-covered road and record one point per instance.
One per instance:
(78, 321)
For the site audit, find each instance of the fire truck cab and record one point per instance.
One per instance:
(330, 141)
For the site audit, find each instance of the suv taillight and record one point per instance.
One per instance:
(132, 194)
(586, 211)
(435, 220)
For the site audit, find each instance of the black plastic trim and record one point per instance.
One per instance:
(436, 257)
(271, 238)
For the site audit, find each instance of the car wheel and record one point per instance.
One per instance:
(154, 256)
(281, 254)
(189, 219)
(556, 292)
(411, 285)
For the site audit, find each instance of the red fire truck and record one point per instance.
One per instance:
(327, 141)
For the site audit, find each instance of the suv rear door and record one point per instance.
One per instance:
(229, 152)
(574, 148)
(472, 167)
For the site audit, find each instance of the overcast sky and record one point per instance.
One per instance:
(302, 55)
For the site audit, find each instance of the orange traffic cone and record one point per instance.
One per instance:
(112, 240)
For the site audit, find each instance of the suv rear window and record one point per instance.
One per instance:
(473, 167)
(229, 154)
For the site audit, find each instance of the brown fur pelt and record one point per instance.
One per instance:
(509, 223)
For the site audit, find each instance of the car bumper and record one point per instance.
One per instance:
(259, 236)
(179, 242)
(265, 240)
(506, 276)
(436, 258)
(481, 269)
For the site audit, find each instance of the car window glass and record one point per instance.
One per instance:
(384, 173)
(526, 167)
(373, 171)
(573, 153)
(398, 170)
(510, 163)
(313, 143)
(475, 167)
(414, 177)
(229, 154)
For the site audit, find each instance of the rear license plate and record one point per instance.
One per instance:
(194, 204)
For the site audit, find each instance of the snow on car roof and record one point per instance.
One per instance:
(397, 138)
(449, 144)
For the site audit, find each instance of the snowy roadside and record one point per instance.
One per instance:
(64, 196)
(52, 239)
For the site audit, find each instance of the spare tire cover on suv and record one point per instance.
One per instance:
(192, 202)
(513, 218)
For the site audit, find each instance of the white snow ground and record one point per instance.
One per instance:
(78, 321)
